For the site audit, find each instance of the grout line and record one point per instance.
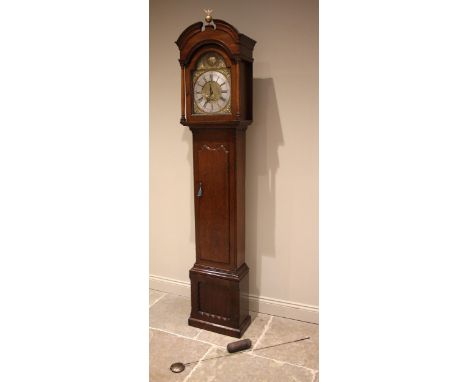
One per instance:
(186, 337)
(159, 298)
(196, 337)
(286, 318)
(198, 363)
(267, 326)
(281, 362)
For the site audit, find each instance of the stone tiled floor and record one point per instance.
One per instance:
(172, 340)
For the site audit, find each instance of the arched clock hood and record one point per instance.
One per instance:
(235, 44)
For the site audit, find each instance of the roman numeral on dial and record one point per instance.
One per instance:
(217, 85)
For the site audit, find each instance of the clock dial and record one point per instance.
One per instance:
(212, 92)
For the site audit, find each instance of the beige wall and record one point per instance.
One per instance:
(282, 146)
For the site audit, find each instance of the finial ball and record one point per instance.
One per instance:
(208, 17)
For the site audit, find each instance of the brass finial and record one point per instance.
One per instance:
(208, 17)
(208, 20)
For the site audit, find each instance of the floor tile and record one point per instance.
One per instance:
(154, 295)
(171, 313)
(304, 353)
(259, 320)
(166, 349)
(246, 367)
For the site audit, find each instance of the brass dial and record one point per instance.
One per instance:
(212, 92)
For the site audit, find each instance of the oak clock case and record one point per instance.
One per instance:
(216, 104)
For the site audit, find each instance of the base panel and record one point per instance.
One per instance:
(219, 302)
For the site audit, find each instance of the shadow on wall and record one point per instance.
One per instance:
(264, 136)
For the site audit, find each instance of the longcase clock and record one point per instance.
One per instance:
(216, 77)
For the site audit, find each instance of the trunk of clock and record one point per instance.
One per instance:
(219, 278)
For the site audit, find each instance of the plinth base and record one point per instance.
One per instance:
(219, 300)
(226, 330)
